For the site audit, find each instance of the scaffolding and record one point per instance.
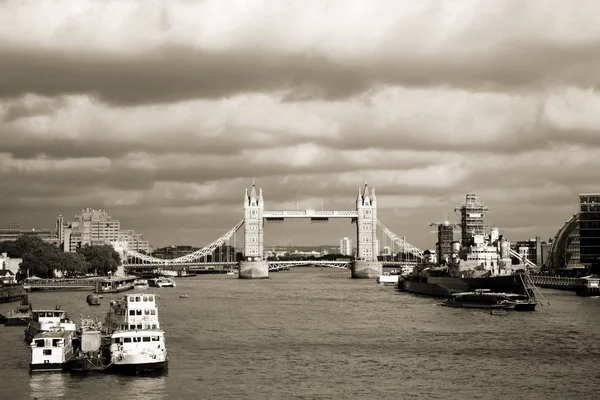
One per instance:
(471, 219)
(445, 236)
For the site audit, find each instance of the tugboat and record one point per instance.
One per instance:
(51, 350)
(47, 320)
(21, 315)
(137, 344)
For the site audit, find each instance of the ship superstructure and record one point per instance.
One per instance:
(132, 312)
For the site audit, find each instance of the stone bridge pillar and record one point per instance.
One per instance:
(366, 264)
(253, 266)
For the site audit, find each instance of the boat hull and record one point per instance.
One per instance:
(446, 286)
(48, 367)
(141, 368)
(17, 321)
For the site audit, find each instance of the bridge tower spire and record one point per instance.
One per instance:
(367, 245)
(253, 266)
(253, 224)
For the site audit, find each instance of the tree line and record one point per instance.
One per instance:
(44, 260)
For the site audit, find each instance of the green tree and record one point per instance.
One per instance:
(101, 259)
(73, 265)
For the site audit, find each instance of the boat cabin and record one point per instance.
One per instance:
(133, 312)
(51, 350)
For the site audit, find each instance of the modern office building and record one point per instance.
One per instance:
(91, 227)
(589, 229)
(135, 241)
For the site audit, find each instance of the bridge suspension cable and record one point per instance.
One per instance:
(407, 247)
(521, 257)
(203, 252)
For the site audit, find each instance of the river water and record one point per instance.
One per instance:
(314, 333)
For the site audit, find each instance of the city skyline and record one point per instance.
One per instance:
(163, 113)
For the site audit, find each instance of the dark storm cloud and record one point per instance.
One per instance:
(168, 73)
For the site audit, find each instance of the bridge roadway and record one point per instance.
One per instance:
(201, 266)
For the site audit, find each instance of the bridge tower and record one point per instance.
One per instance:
(253, 265)
(366, 264)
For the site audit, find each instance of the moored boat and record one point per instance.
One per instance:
(51, 350)
(139, 351)
(140, 284)
(162, 282)
(137, 344)
(21, 315)
(48, 320)
(114, 284)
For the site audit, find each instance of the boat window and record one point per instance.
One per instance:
(47, 352)
(138, 299)
(155, 338)
(131, 298)
(127, 340)
(131, 326)
(145, 298)
(153, 312)
(131, 312)
(146, 312)
(138, 312)
(153, 326)
(40, 343)
(139, 326)
(146, 339)
(150, 298)
(117, 340)
(137, 339)
(56, 342)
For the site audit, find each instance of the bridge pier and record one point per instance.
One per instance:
(254, 270)
(366, 269)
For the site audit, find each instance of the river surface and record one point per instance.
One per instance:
(314, 333)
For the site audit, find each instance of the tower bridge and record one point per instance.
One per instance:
(253, 266)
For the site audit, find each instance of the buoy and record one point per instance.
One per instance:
(93, 300)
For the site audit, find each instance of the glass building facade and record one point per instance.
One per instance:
(589, 229)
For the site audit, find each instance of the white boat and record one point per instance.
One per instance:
(232, 272)
(51, 350)
(168, 272)
(162, 282)
(47, 320)
(140, 351)
(137, 343)
(140, 284)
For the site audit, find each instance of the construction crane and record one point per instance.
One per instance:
(446, 222)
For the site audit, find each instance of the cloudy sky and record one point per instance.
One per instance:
(162, 112)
